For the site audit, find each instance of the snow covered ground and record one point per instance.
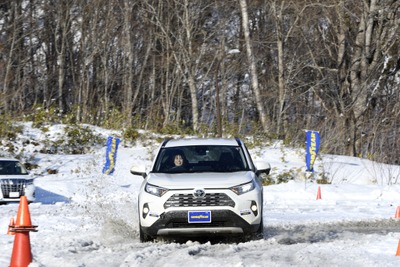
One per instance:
(89, 219)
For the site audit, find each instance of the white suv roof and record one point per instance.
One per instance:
(8, 159)
(201, 141)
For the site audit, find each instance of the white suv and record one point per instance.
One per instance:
(15, 181)
(199, 187)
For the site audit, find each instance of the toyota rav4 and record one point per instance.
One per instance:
(201, 186)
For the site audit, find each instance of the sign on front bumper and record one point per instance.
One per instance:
(199, 216)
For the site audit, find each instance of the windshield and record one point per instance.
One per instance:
(201, 159)
(12, 167)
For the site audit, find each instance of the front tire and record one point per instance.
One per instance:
(144, 237)
(260, 231)
(258, 235)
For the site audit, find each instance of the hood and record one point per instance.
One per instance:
(16, 177)
(203, 180)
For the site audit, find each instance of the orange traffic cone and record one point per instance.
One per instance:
(319, 193)
(10, 226)
(21, 254)
(397, 214)
(398, 249)
(23, 215)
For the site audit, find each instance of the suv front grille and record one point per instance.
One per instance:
(12, 185)
(209, 200)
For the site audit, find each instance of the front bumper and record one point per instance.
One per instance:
(230, 213)
(224, 222)
(10, 194)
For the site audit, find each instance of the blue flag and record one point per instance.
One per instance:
(312, 147)
(111, 154)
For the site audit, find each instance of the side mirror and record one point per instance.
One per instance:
(262, 167)
(139, 170)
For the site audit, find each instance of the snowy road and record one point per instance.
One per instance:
(86, 219)
(104, 233)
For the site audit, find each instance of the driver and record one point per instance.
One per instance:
(178, 160)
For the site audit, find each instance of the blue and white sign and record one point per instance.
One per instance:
(199, 216)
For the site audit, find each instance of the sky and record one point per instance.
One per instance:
(87, 219)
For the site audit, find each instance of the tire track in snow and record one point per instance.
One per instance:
(326, 232)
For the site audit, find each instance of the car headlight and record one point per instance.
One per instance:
(29, 182)
(155, 190)
(243, 188)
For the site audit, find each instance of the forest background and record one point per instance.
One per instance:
(265, 68)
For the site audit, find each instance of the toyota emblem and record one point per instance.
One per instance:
(199, 193)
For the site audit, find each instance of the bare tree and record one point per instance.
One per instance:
(253, 70)
(376, 32)
(62, 34)
(14, 34)
(332, 66)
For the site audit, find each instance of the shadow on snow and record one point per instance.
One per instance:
(47, 197)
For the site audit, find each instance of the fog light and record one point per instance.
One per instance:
(145, 210)
(254, 208)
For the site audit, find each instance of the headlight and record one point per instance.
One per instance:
(29, 182)
(155, 190)
(243, 188)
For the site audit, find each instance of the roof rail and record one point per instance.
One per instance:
(165, 142)
(238, 141)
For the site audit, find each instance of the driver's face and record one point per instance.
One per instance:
(178, 160)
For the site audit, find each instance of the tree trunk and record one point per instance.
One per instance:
(253, 70)
(128, 72)
(281, 78)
